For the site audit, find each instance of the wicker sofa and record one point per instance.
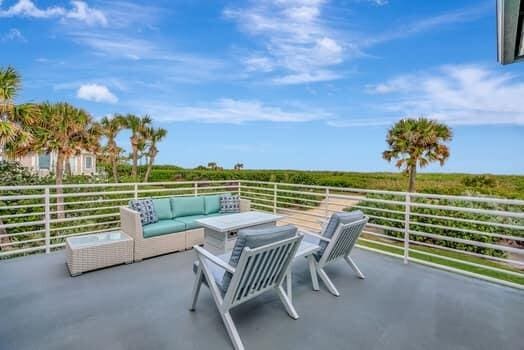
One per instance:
(177, 229)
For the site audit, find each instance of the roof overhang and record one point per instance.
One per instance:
(510, 31)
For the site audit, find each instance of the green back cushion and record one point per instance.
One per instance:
(212, 204)
(163, 208)
(185, 206)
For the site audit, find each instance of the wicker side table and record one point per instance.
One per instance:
(91, 252)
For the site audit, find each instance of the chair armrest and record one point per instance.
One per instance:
(213, 259)
(130, 223)
(245, 205)
(316, 235)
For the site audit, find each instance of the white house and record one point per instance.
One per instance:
(44, 163)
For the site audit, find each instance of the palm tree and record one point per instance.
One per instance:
(239, 166)
(13, 118)
(66, 131)
(416, 143)
(138, 126)
(110, 127)
(152, 137)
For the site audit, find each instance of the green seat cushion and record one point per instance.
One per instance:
(163, 227)
(163, 208)
(212, 204)
(187, 206)
(190, 222)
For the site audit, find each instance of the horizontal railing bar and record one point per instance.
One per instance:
(12, 243)
(514, 238)
(257, 194)
(79, 234)
(385, 218)
(302, 213)
(22, 206)
(21, 251)
(20, 224)
(466, 252)
(396, 229)
(257, 199)
(467, 241)
(469, 263)
(383, 236)
(480, 222)
(34, 232)
(84, 209)
(92, 201)
(85, 225)
(469, 210)
(3, 217)
(87, 194)
(271, 189)
(21, 197)
(379, 242)
(80, 218)
(379, 209)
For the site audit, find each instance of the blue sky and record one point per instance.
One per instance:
(311, 84)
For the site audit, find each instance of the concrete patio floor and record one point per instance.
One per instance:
(145, 306)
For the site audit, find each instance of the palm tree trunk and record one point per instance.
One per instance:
(134, 157)
(59, 180)
(149, 167)
(412, 178)
(67, 166)
(115, 168)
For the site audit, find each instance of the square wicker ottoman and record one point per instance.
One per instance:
(91, 252)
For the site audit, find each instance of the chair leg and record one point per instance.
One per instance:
(289, 285)
(324, 277)
(354, 266)
(232, 330)
(196, 288)
(287, 303)
(313, 272)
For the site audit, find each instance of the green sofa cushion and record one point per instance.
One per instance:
(163, 227)
(163, 208)
(190, 222)
(212, 204)
(186, 206)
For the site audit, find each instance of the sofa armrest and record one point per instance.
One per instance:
(245, 205)
(130, 223)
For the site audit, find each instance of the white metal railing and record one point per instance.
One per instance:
(477, 236)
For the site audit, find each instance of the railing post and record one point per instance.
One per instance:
(136, 191)
(240, 188)
(195, 189)
(327, 203)
(47, 221)
(406, 227)
(274, 198)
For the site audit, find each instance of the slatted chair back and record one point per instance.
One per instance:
(260, 269)
(343, 241)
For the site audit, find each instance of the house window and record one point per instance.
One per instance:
(44, 161)
(88, 162)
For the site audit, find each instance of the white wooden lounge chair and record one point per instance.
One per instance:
(258, 263)
(336, 241)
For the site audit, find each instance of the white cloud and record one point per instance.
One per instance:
(299, 46)
(457, 94)
(12, 34)
(79, 11)
(231, 111)
(96, 93)
(444, 20)
(82, 12)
